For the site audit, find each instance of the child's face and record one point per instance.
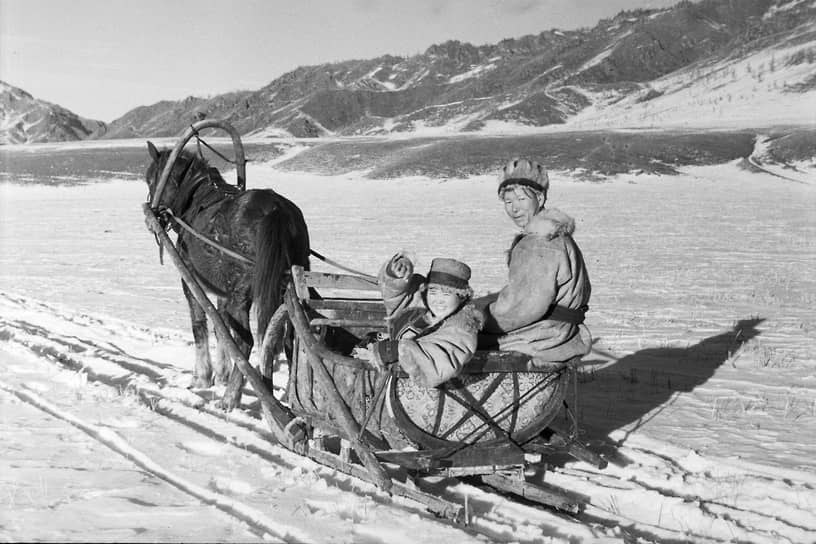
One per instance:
(442, 302)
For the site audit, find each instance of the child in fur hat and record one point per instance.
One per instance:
(432, 323)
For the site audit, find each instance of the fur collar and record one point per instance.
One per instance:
(550, 223)
(468, 317)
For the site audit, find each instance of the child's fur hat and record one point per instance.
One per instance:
(450, 274)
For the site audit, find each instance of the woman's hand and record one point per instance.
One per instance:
(400, 266)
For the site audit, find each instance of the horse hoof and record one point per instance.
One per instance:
(229, 403)
(200, 383)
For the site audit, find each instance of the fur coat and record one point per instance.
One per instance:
(546, 269)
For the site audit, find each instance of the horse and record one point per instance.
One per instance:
(265, 230)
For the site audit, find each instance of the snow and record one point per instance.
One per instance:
(701, 388)
(773, 10)
(387, 85)
(750, 91)
(603, 55)
(473, 72)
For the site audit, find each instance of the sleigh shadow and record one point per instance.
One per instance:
(638, 387)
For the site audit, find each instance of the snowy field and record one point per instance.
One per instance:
(701, 390)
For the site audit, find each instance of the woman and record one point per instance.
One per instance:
(540, 312)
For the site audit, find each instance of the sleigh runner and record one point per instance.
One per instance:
(500, 417)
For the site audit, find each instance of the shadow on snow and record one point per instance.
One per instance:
(637, 387)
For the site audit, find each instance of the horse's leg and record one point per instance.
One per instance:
(269, 346)
(237, 314)
(202, 373)
(222, 363)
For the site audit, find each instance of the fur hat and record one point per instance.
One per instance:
(526, 173)
(450, 273)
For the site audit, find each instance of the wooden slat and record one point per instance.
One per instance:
(299, 280)
(339, 281)
(540, 492)
(476, 456)
(369, 305)
(345, 323)
(358, 312)
(357, 315)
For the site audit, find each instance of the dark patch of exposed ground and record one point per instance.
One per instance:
(72, 165)
(589, 154)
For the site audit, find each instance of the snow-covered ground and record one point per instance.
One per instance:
(701, 389)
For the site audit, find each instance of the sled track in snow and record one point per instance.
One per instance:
(257, 521)
(684, 508)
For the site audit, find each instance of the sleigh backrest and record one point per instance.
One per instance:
(340, 300)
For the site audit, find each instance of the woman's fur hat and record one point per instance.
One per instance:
(524, 172)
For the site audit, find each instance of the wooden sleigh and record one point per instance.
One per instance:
(494, 422)
(501, 417)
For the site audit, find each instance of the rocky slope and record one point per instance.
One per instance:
(25, 119)
(532, 81)
(694, 61)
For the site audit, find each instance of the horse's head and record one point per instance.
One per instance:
(186, 168)
(154, 172)
(189, 172)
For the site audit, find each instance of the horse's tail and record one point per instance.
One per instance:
(282, 241)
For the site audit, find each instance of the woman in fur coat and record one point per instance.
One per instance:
(433, 324)
(540, 312)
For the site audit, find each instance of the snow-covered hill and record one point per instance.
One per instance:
(25, 119)
(711, 63)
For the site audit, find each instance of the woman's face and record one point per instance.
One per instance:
(521, 205)
(442, 302)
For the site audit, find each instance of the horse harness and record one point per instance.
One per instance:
(183, 200)
(218, 192)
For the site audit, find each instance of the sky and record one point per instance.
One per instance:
(102, 58)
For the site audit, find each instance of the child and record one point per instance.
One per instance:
(433, 325)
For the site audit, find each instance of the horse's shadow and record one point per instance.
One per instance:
(635, 388)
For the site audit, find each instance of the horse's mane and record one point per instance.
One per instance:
(196, 161)
(189, 155)
(198, 170)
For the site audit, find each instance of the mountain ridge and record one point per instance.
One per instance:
(616, 73)
(25, 119)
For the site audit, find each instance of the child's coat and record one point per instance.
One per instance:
(430, 354)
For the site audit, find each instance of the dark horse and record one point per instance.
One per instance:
(259, 224)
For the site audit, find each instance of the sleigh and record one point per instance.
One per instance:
(503, 417)
(500, 418)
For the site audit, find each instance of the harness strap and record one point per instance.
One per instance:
(180, 222)
(243, 258)
(200, 141)
(341, 267)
